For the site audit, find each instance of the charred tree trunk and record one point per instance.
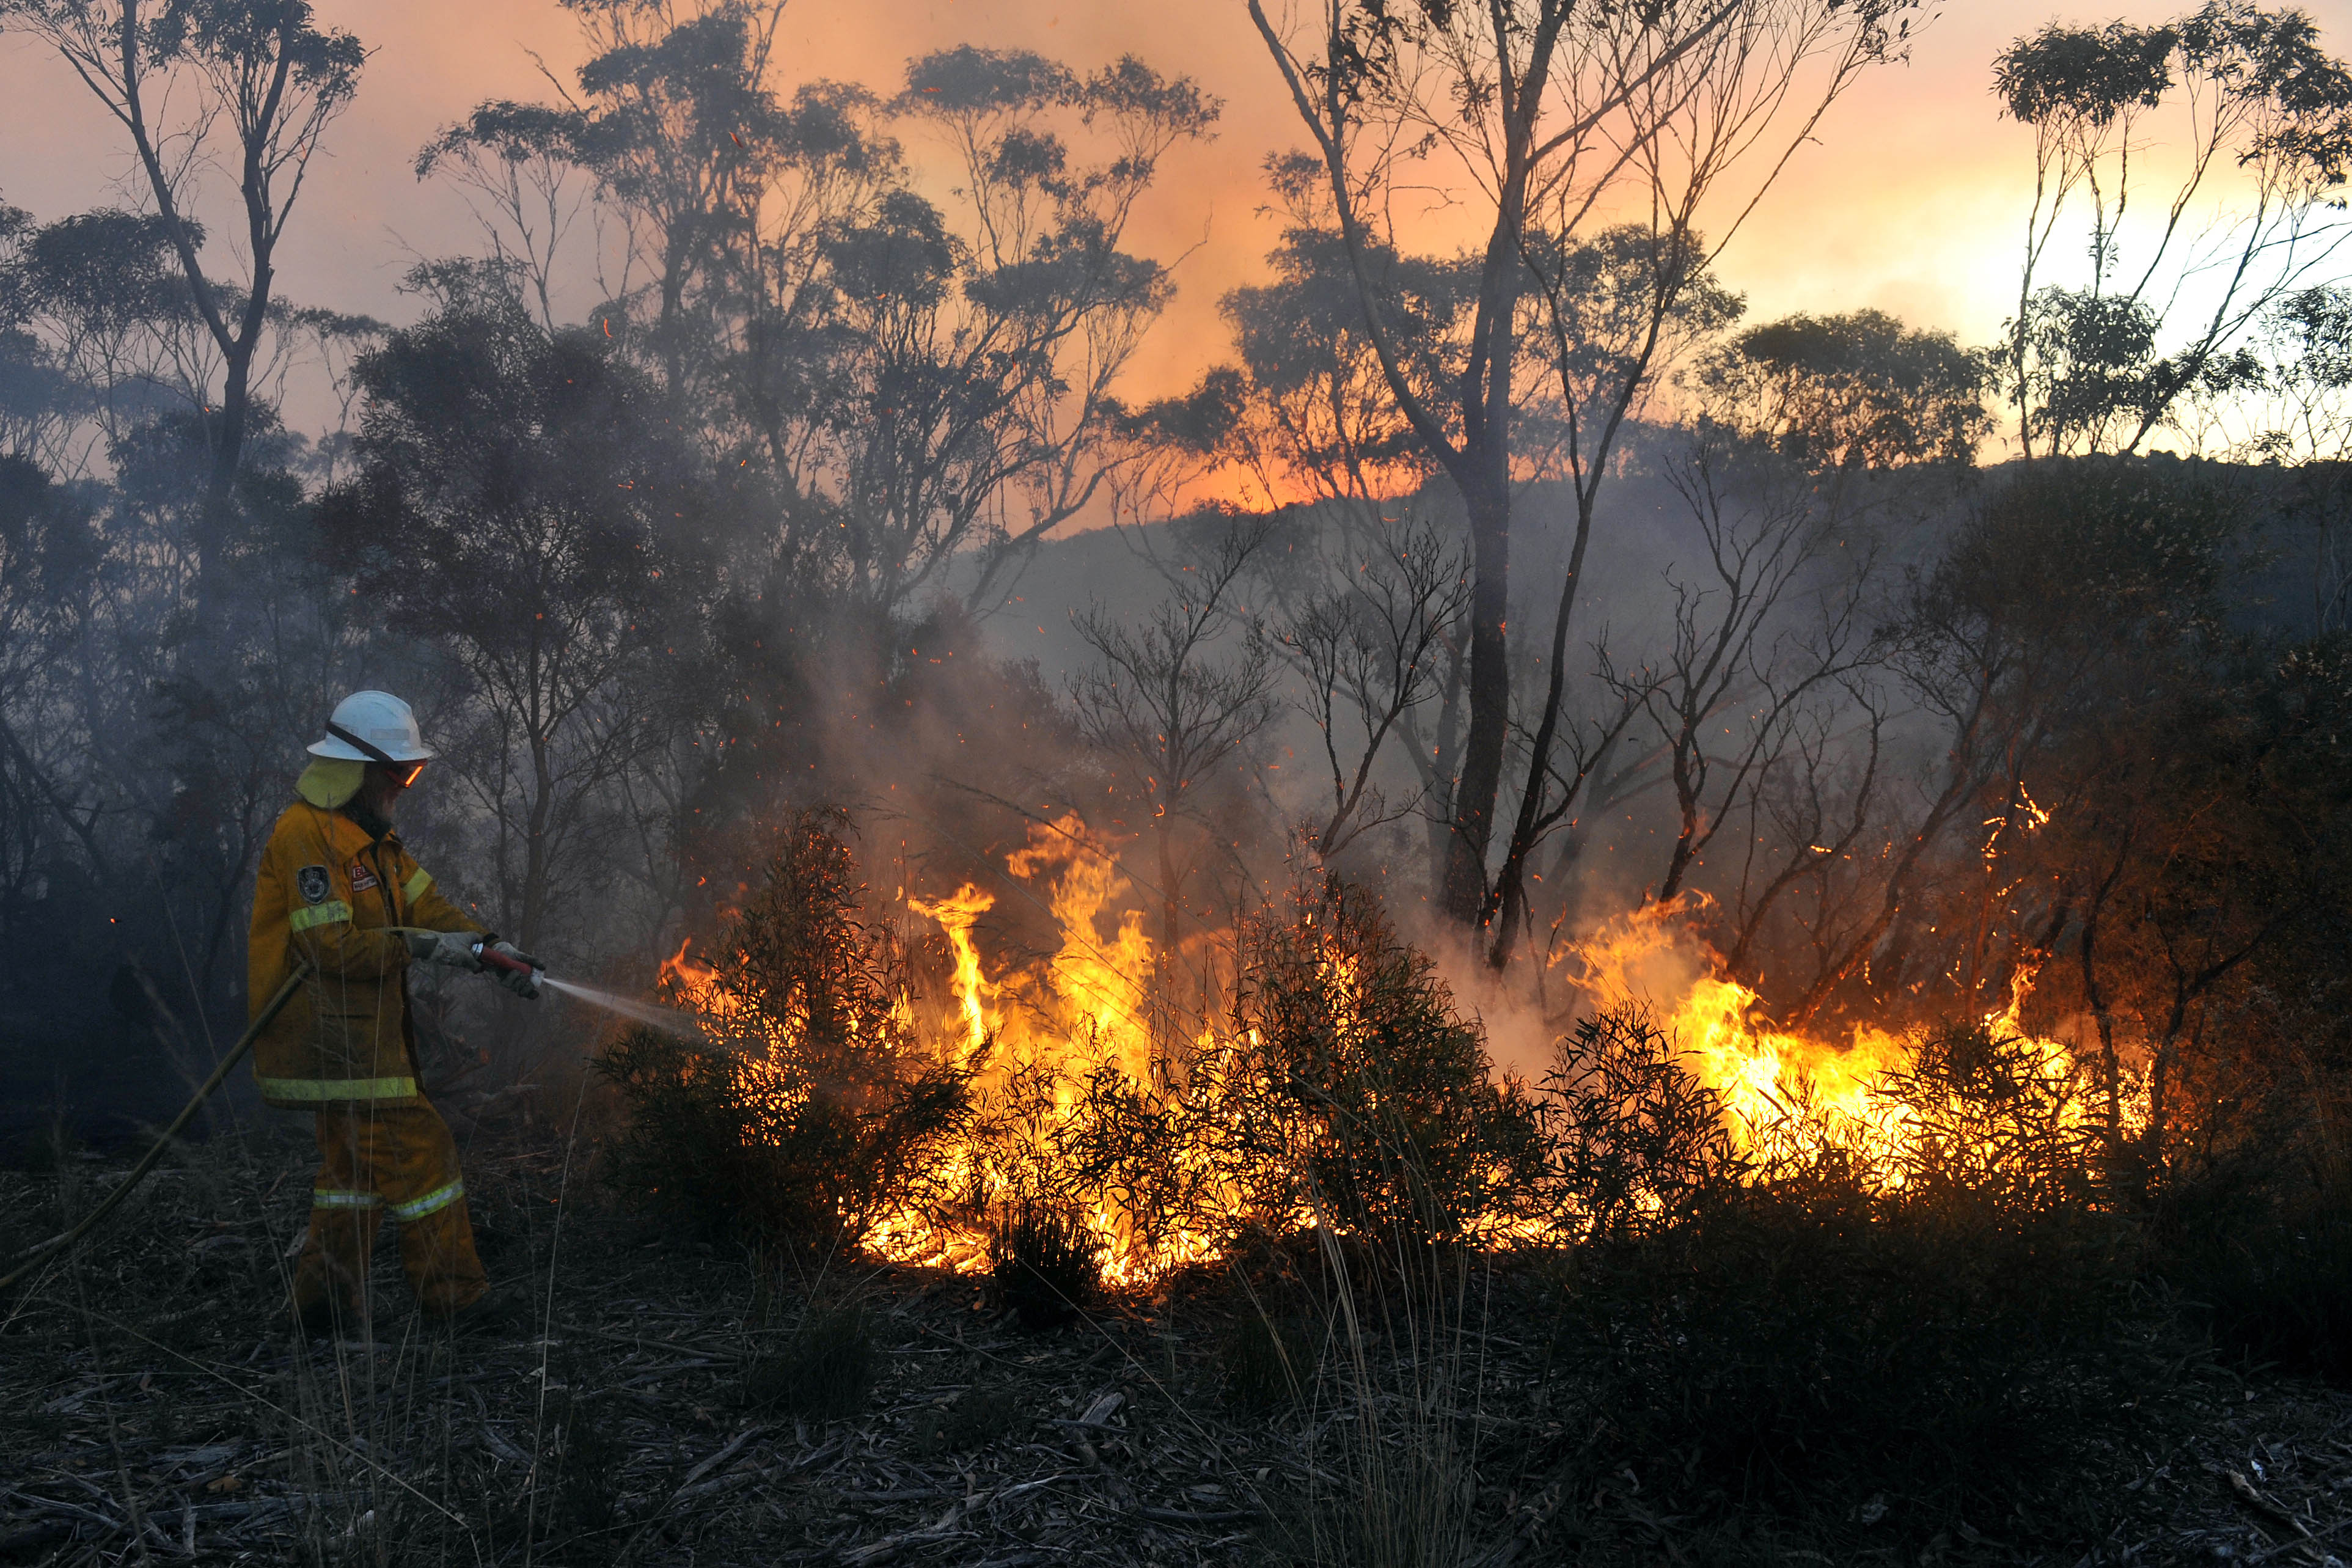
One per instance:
(535, 867)
(1481, 777)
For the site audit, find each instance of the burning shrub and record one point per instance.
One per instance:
(1998, 1121)
(1828, 1313)
(1363, 1093)
(826, 1115)
(1151, 1155)
(1637, 1140)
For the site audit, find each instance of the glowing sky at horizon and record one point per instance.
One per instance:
(1912, 200)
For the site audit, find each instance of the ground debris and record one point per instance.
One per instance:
(163, 1411)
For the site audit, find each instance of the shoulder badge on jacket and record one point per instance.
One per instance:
(312, 882)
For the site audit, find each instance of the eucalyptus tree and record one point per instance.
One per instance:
(519, 167)
(50, 555)
(2294, 411)
(979, 341)
(102, 294)
(1552, 120)
(38, 396)
(1372, 646)
(196, 85)
(1848, 393)
(681, 128)
(1813, 442)
(925, 376)
(521, 505)
(2257, 118)
(1172, 701)
(1372, 584)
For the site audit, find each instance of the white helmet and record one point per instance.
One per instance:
(371, 726)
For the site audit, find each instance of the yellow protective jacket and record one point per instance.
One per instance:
(328, 892)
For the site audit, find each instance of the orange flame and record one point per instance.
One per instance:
(957, 914)
(1035, 1037)
(691, 984)
(1084, 1009)
(1763, 1074)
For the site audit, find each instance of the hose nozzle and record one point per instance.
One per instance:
(491, 958)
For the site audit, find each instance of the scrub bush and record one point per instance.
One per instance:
(2255, 1242)
(1973, 1338)
(2247, 1203)
(984, 1414)
(824, 1369)
(1365, 1094)
(1267, 1363)
(1045, 1266)
(1806, 1344)
(823, 1113)
(1998, 1121)
(1635, 1140)
(2278, 1291)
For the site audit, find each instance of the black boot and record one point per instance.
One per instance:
(501, 1310)
(316, 1319)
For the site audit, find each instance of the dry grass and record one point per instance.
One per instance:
(1435, 1422)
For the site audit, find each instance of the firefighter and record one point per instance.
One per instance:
(338, 887)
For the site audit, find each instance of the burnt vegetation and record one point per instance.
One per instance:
(1588, 931)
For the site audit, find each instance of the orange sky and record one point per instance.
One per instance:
(1912, 202)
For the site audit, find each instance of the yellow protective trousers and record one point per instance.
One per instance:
(395, 1157)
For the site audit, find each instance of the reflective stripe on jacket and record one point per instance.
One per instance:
(328, 892)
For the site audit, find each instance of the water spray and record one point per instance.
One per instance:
(669, 1020)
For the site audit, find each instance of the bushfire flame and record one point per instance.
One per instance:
(1054, 1023)
(1031, 1035)
(1763, 1074)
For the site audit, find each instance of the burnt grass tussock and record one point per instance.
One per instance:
(1447, 1316)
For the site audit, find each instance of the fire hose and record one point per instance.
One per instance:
(489, 957)
(58, 1245)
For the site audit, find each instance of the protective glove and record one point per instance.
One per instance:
(518, 981)
(453, 948)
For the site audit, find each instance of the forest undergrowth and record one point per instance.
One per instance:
(1439, 1316)
(673, 1401)
(1606, 1294)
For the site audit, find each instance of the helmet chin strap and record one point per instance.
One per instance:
(404, 773)
(375, 753)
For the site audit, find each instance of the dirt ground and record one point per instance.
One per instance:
(154, 1408)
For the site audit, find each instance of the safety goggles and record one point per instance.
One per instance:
(401, 773)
